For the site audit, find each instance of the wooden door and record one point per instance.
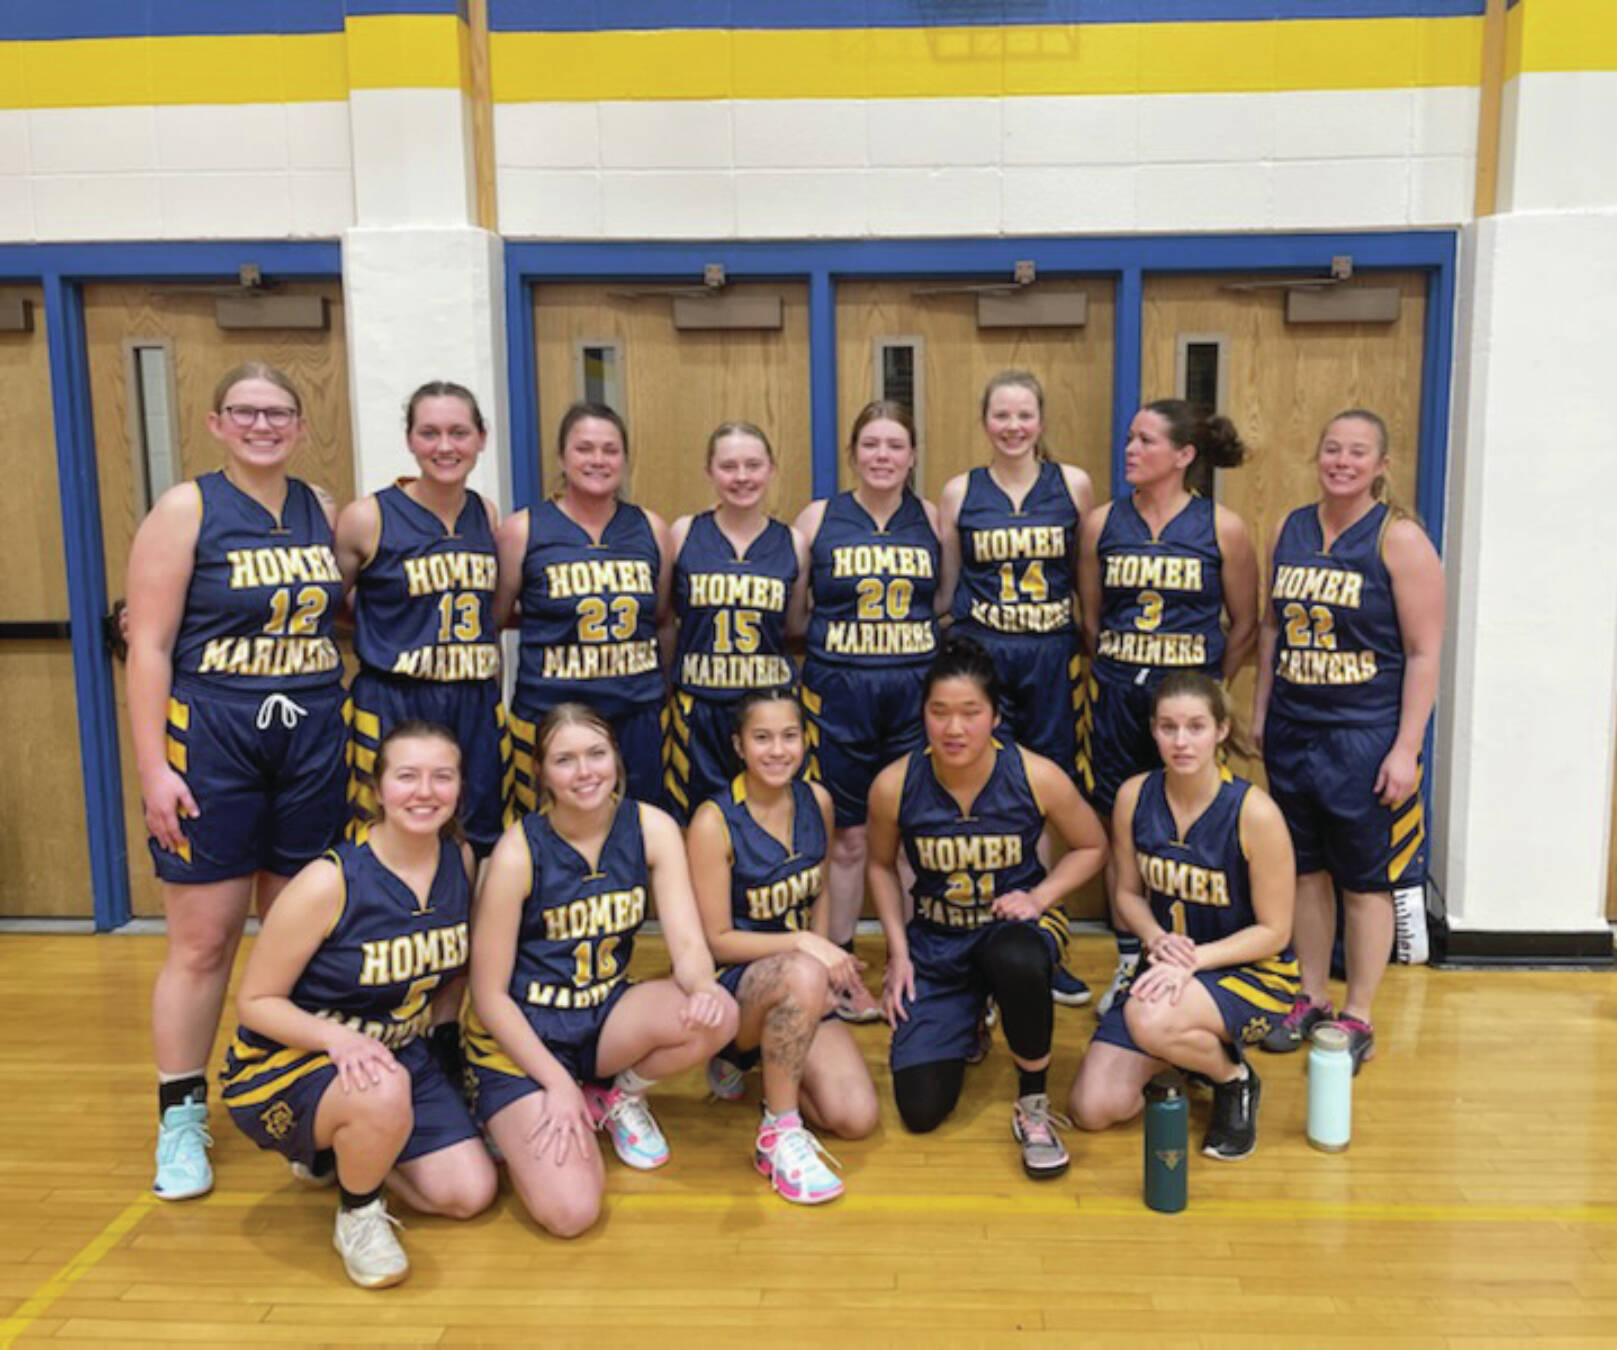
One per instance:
(44, 857)
(1281, 382)
(119, 317)
(674, 386)
(954, 360)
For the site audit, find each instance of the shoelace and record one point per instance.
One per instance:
(372, 1229)
(1038, 1124)
(291, 713)
(796, 1148)
(192, 1134)
(631, 1112)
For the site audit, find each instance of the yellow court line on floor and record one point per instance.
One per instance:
(991, 1207)
(81, 1264)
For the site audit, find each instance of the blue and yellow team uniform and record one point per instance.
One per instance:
(589, 634)
(255, 714)
(773, 888)
(962, 861)
(429, 648)
(376, 972)
(732, 638)
(872, 633)
(1015, 596)
(1336, 701)
(1162, 604)
(1201, 886)
(573, 950)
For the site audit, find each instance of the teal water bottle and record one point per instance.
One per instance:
(1167, 1144)
(1330, 1089)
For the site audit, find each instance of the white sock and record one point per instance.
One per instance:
(633, 1083)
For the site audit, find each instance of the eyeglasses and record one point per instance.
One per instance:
(245, 416)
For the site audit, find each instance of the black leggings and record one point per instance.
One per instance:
(1014, 962)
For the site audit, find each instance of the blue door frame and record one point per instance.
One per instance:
(61, 271)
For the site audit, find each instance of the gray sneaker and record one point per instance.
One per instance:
(1044, 1156)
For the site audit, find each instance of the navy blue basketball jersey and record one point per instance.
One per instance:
(579, 922)
(1162, 596)
(424, 602)
(874, 588)
(263, 594)
(1340, 657)
(386, 954)
(1016, 562)
(732, 611)
(963, 861)
(1198, 885)
(773, 888)
(589, 614)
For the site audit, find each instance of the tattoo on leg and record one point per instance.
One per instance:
(788, 1033)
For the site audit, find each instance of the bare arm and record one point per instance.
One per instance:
(1240, 583)
(1128, 896)
(954, 493)
(676, 905)
(1077, 824)
(1272, 869)
(807, 527)
(1089, 587)
(797, 606)
(1418, 594)
(358, 532)
(1268, 641)
(160, 564)
(511, 547)
(881, 877)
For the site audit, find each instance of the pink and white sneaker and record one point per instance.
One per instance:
(628, 1120)
(790, 1156)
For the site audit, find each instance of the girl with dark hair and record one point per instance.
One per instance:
(758, 853)
(1161, 572)
(737, 573)
(419, 561)
(969, 811)
(875, 579)
(592, 573)
(330, 1066)
(1203, 868)
(1347, 675)
(559, 1041)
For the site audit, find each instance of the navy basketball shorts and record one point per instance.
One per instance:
(1114, 731)
(950, 990)
(860, 719)
(268, 772)
(493, 1079)
(471, 710)
(699, 759)
(1038, 685)
(274, 1103)
(1323, 779)
(639, 734)
(1251, 1000)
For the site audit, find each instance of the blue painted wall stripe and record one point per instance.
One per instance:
(522, 382)
(825, 435)
(36, 20)
(87, 602)
(554, 16)
(1128, 334)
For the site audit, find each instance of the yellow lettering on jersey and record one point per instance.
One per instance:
(1029, 618)
(1018, 542)
(596, 916)
(1154, 571)
(945, 915)
(1184, 881)
(613, 576)
(704, 670)
(398, 960)
(891, 560)
(765, 904)
(1155, 649)
(269, 656)
(968, 852)
(438, 572)
(1328, 585)
(480, 661)
(846, 637)
(250, 567)
(600, 662)
(1322, 667)
(565, 996)
(737, 590)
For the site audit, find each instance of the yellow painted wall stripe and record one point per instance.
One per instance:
(1166, 58)
(408, 51)
(1553, 36)
(82, 1263)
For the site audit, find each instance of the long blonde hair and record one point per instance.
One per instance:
(572, 715)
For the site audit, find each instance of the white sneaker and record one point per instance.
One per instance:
(789, 1155)
(1126, 966)
(364, 1239)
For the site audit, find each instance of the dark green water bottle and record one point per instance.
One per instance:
(1167, 1144)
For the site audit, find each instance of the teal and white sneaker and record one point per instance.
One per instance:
(183, 1141)
(726, 1079)
(789, 1156)
(628, 1120)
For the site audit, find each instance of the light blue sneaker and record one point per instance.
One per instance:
(183, 1141)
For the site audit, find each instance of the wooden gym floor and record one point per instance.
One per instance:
(1477, 1204)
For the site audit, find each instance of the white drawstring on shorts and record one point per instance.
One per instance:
(291, 713)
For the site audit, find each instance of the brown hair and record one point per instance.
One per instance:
(417, 729)
(256, 370)
(883, 410)
(444, 389)
(1381, 486)
(738, 429)
(572, 715)
(1017, 379)
(1200, 685)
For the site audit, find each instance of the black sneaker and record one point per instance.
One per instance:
(1067, 989)
(1232, 1129)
